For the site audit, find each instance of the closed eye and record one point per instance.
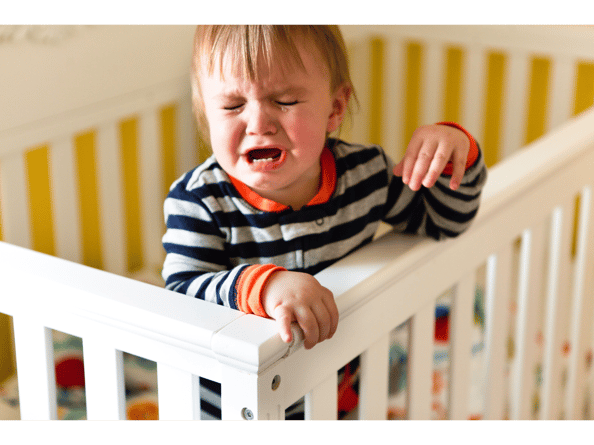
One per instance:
(232, 107)
(286, 104)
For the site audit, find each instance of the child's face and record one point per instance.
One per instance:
(269, 134)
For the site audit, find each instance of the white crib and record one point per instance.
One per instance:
(86, 155)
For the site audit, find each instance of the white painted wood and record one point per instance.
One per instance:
(64, 192)
(515, 100)
(104, 380)
(560, 107)
(432, 90)
(394, 100)
(461, 321)
(359, 67)
(373, 381)
(558, 296)
(497, 296)
(247, 396)
(151, 180)
(582, 310)
(420, 365)
(186, 153)
(31, 133)
(530, 289)
(321, 403)
(35, 368)
(473, 95)
(179, 394)
(15, 201)
(111, 204)
(39, 88)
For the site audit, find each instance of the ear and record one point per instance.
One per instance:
(340, 100)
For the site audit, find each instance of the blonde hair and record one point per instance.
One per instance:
(246, 47)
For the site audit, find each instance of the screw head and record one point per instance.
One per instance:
(276, 382)
(247, 414)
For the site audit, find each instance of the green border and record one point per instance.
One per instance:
(299, 11)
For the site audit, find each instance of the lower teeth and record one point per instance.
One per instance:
(264, 160)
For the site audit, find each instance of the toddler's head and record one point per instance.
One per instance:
(252, 49)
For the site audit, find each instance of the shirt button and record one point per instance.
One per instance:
(320, 222)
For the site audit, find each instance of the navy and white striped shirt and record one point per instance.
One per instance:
(214, 234)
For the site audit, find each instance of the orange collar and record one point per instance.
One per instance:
(325, 192)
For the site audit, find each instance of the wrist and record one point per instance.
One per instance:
(472, 151)
(250, 288)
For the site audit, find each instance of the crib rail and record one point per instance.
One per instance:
(509, 85)
(397, 278)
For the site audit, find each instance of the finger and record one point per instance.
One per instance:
(306, 320)
(410, 156)
(438, 164)
(322, 316)
(422, 164)
(333, 312)
(283, 318)
(458, 170)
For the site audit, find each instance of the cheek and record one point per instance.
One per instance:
(308, 127)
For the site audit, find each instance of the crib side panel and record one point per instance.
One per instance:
(508, 85)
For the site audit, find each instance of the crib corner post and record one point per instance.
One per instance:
(251, 396)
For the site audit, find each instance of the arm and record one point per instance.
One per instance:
(445, 172)
(197, 265)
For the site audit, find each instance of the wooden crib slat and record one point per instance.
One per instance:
(392, 138)
(64, 195)
(359, 66)
(420, 365)
(558, 294)
(179, 394)
(186, 154)
(15, 211)
(35, 369)
(110, 198)
(583, 309)
(246, 396)
(530, 288)
(431, 85)
(557, 311)
(373, 385)
(515, 97)
(322, 402)
(151, 180)
(460, 349)
(104, 380)
(496, 330)
(473, 96)
(561, 104)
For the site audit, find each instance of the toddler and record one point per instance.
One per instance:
(280, 199)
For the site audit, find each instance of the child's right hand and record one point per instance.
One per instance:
(297, 296)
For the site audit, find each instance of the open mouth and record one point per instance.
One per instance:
(264, 155)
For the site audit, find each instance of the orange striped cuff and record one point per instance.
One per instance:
(472, 153)
(250, 285)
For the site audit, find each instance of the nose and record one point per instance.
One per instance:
(260, 121)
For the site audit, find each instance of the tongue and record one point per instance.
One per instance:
(265, 153)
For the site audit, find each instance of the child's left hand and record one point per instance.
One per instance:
(429, 150)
